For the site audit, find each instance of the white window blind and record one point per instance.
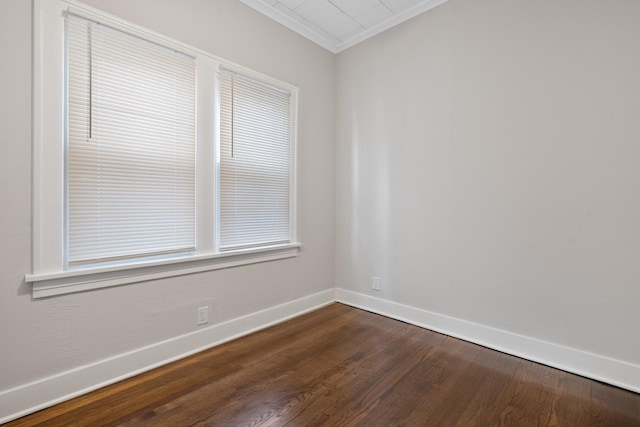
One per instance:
(130, 146)
(255, 163)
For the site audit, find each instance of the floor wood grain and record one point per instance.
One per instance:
(340, 366)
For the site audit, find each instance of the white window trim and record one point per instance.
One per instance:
(49, 276)
(65, 282)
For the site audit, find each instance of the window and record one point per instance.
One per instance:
(131, 145)
(151, 158)
(255, 164)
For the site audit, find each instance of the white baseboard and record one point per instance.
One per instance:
(600, 368)
(31, 397)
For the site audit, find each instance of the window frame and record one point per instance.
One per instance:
(150, 178)
(49, 273)
(220, 143)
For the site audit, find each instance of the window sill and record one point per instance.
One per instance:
(66, 282)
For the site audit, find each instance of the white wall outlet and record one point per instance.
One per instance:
(375, 283)
(203, 315)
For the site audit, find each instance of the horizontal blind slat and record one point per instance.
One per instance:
(131, 183)
(255, 163)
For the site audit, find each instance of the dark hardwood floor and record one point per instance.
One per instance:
(341, 366)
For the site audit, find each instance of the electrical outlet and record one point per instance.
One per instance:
(375, 283)
(203, 315)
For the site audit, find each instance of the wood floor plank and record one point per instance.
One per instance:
(574, 403)
(267, 378)
(459, 395)
(340, 366)
(360, 394)
(422, 391)
(531, 404)
(493, 374)
(614, 407)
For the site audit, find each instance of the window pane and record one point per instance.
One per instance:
(255, 163)
(130, 146)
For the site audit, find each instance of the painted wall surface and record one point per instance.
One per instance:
(43, 337)
(487, 168)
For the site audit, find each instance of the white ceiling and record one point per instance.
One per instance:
(339, 24)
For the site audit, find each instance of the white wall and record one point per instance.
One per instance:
(487, 168)
(43, 337)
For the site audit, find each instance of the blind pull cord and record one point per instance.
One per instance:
(233, 109)
(90, 40)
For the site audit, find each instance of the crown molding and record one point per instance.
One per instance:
(292, 24)
(330, 43)
(391, 22)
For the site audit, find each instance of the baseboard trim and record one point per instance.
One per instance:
(25, 399)
(615, 372)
